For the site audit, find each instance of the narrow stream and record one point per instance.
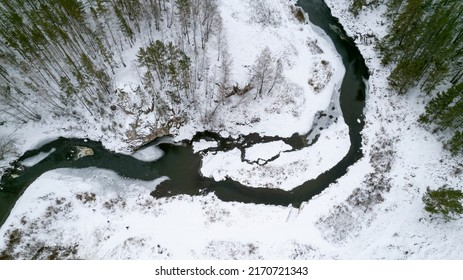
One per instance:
(182, 166)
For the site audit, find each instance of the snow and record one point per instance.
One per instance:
(150, 153)
(37, 158)
(313, 79)
(398, 227)
(286, 110)
(110, 217)
(266, 151)
(289, 170)
(291, 107)
(203, 145)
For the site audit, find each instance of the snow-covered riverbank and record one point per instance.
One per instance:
(95, 214)
(373, 212)
(312, 74)
(60, 201)
(409, 157)
(285, 169)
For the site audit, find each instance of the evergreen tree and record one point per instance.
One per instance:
(60, 55)
(446, 111)
(425, 46)
(171, 65)
(444, 201)
(424, 42)
(455, 144)
(356, 5)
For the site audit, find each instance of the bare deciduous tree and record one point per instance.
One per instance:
(266, 73)
(7, 146)
(225, 67)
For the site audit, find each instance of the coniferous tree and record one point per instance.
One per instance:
(424, 42)
(62, 56)
(444, 201)
(446, 111)
(425, 45)
(171, 65)
(455, 144)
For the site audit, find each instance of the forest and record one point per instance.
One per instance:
(61, 58)
(425, 48)
(62, 54)
(72, 59)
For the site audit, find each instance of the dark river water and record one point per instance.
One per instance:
(182, 166)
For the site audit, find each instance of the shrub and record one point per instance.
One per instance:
(7, 146)
(299, 14)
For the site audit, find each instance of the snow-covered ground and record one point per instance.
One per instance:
(249, 29)
(314, 73)
(288, 170)
(100, 215)
(373, 212)
(410, 158)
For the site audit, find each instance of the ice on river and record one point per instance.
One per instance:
(148, 154)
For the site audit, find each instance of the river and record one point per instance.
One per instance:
(182, 166)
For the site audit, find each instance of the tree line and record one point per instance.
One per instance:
(425, 47)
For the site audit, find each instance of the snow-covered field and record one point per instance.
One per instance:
(373, 212)
(99, 215)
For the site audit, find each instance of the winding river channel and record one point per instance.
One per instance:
(182, 165)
